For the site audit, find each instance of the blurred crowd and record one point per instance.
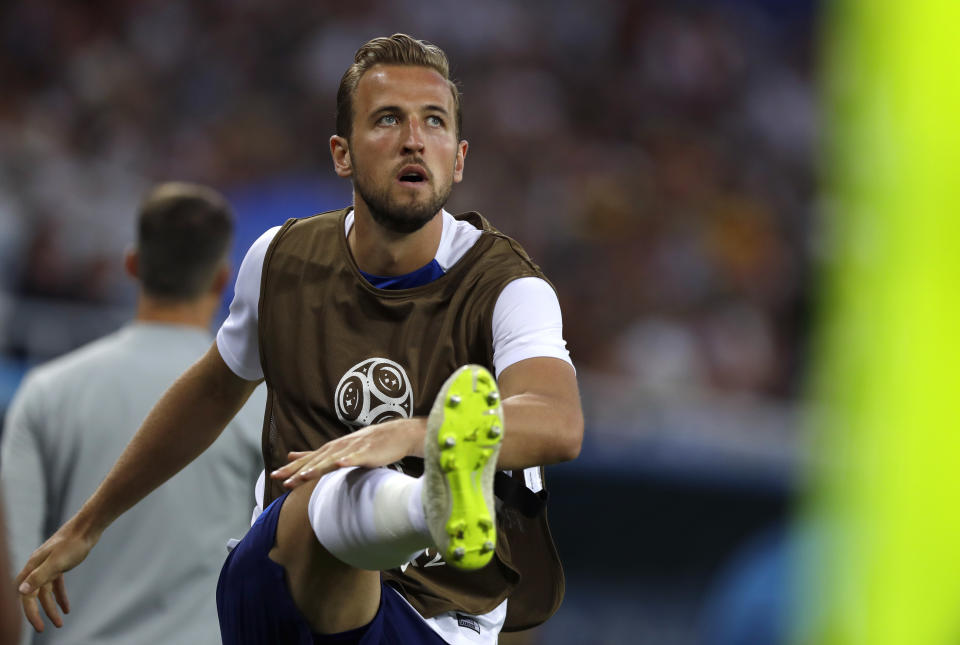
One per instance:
(654, 157)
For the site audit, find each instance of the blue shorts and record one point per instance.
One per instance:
(256, 608)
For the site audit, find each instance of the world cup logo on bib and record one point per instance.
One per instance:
(373, 391)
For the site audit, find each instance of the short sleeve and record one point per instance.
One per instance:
(527, 324)
(237, 339)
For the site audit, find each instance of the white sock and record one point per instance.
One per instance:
(369, 518)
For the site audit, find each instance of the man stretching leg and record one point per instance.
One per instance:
(355, 319)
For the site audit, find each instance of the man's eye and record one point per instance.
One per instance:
(435, 121)
(387, 119)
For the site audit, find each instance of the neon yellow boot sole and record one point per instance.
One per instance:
(464, 433)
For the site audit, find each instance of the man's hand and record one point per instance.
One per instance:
(41, 579)
(378, 445)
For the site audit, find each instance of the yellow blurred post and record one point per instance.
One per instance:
(886, 387)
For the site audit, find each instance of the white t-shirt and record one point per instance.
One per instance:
(526, 317)
(526, 324)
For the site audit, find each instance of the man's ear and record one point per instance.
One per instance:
(221, 279)
(131, 263)
(340, 151)
(459, 161)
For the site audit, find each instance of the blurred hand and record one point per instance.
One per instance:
(41, 579)
(378, 445)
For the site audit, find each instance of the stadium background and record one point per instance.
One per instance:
(656, 158)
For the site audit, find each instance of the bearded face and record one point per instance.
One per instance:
(402, 154)
(407, 207)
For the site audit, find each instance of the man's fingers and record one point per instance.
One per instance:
(298, 478)
(41, 576)
(314, 469)
(33, 562)
(294, 466)
(296, 472)
(33, 582)
(307, 466)
(49, 606)
(32, 611)
(60, 592)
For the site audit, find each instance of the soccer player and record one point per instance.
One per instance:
(153, 578)
(359, 320)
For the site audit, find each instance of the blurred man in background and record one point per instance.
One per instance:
(154, 578)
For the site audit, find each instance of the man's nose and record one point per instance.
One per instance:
(413, 139)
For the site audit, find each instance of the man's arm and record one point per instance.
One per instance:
(186, 420)
(542, 415)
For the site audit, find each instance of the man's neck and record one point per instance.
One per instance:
(381, 252)
(193, 313)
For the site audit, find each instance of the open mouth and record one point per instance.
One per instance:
(412, 175)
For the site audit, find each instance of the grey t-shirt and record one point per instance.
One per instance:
(152, 577)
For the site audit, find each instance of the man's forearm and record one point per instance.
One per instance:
(540, 431)
(185, 422)
(542, 414)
